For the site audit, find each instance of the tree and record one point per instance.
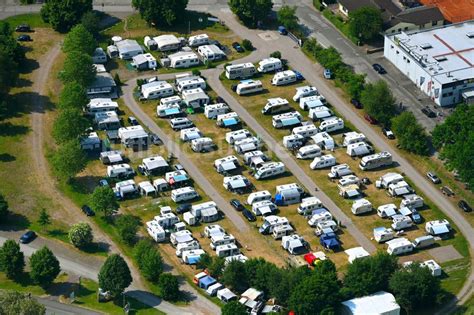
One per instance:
(455, 140)
(69, 125)
(79, 39)
(235, 276)
(250, 12)
(234, 308)
(62, 15)
(103, 200)
(161, 12)
(287, 17)
(415, 287)
(74, 96)
(44, 267)
(8, 72)
(169, 287)
(18, 303)
(12, 260)
(9, 44)
(44, 218)
(411, 135)
(379, 102)
(78, 68)
(114, 276)
(217, 266)
(69, 159)
(247, 45)
(276, 54)
(3, 207)
(127, 226)
(91, 22)
(80, 235)
(148, 259)
(365, 23)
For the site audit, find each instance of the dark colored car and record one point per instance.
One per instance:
(155, 139)
(447, 191)
(23, 28)
(133, 121)
(379, 68)
(249, 215)
(103, 182)
(415, 215)
(237, 47)
(183, 208)
(357, 104)
(299, 76)
(233, 87)
(388, 133)
(178, 167)
(464, 206)
(282, 30)
(428, 112)
(237, 205)
(370, 119)
(27, 237)
(24, 38)
(87, 210)
(220, 100)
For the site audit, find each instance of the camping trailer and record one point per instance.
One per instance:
(276, 105)
(221, 239)
(128, 48)
(412, 201)
(252, 156)
(227, 250)
(433, 266)
(401, 222)
(361, 206)
(100, 105)
(240, 71)
(388, 179)
(195, 98)
(192, 257)
(183, 59)
(270, 169)
(323, 161)
(324, 140)
(154, 165)
(308, 102)
(226, 164)
(155, 231)
(198, 40)
(156, 89)
(237, 183)
(319, 215)
(287, 120)
(183, 236)
(228, 120)
(249, 86)
(438, 227)
(264, 208)
(423, 241)
(126, 188)
(190, 83)
(359, 149)
(308, 205)
(133, 136)
(190, 134)
(383, 234)
(304, 91)
(167, 111)
(111, 157)
(399, 189)
(247, 145)
(150, 43)
(237, 135)
(307, 131)
(166, 220)
(183, 194)
(399, 246)
(288, 194)
(213, 110)
(387, 210)
(340, 170)
(269, 65)
(331, 125)
(271, 222)
(181, 123)
(259, 196)
(349, 180)
(284, 78)
(294, 244)
(120, 171)
(107, 120)
(320, 113)
(282, 230)
(180, 248)
(308, 152)
(211, 53)
(167, 42)
(144, 62)
(352, 137)
(204, 144)
(293, 142)
(374, 161)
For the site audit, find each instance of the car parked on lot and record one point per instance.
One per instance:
(103, 182)
(178, 167)
(132, 121)
(237, 47)
(433, 177)
(237, 205)
(282, 30)
(370, 119)
(23, 28)
(428, 112)
(299, 76)
(464, 206)
(327, 74)
(357, 104)
(87, 210)
(155, 139)
(447, 191)
(27, 237)
(388, 133)
(185, 207)
(24, 38)
(415, 215)
(249, 215)
(379, 68)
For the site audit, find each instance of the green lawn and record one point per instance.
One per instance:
(34, 20)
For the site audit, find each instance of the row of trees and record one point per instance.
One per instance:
(63, 15)
(365, 23)
(161, 12)
(12, 302)
(251, 12)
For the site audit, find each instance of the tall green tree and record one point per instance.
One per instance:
(3, 207)
(161, 12)
(379, 102)
(455, 140)
(63, 15)
(365, 23)
(44, 267)
(148, 259)
(250, 12)
(127, 226)
(69, 125)
(8, 72)
(12, 302)
(91, 22)
(411, 135)
(12, 260)
(114, 276)
(169, 287)
(103, 200)
(8, 43)
(79, 39)
(44, 218)
(234, 308)
(78, 68)
(80, 235)
(415, 288)
(235, 277)
(69, 159)
(287, 17)
(73, 96)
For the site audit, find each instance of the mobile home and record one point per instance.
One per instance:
(323, 161)
(183, 59)
(288, 194)
(144, 62)
(183, 194)
(324, 140)
(331, 125)
(221, 239)
(319, 113)
(308, 205)
(388, 179)
(308, 152)
(198, 40)
(154, 165)
(240, 71)
(352, 137)
(167, 42)
(287, 120)
(292, 142)
(269, 65)
(275, 106)
(401, 222)
(204, 144)
(438, 227)
(212, 111)
(282, 230)
(284, 78)
(191, 83)
(237, 135)
(100, 105)
(374, 161)
(340, 170)
(359, 149)
(248, 87)
(387, 211)
(399, 246)
(156, 89)
(270, 169)
(383, 234)
(412, 201)
(308, 102)
(171, 100)
(259, 196)
(361, 206)
(306, 131)
(304, 91)
(211, 53)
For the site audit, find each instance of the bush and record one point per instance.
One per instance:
(127, 226)
(12, 260)
(169, 287)
(44, 267)
(411, 135)
(247, 45)
(276, 54)
(196, 72)
(80, 235)
(148, 259)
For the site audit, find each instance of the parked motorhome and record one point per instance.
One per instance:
(423, 241)
(107, 120)
(399, 246)
(190, 219)
(324, 140)
(237, 135)
(375, 161)
(120, 171)
(340, 170)
(359, 149)
(304, 91)
(349, 180)
(240, 71)
(167, 42)
(128, 48)
(212, 111)
(308, 205)
(183, 59)
(211, 53)
(269, 65)
(226, 164)
(248, 87)
(111, 157)
(249, 157)
(383, 234)
(166, 220)
(288, 194)
(282, 230)
(156, 89)
(270, 169)
(228, 120)
(189, 134)
(294, 244)
(126, 188)
(100, 105)
(331, 125)
(112, 51)
(204, 144)
(264, 208)
(287, 120)
(275, 106)
(284, 78)
(308, 152)
(307, 131)
(133, 136)
(218, 240)
(191, 83)
(320, 113)
(247, 145)
(227, 250)
(160, 185)
(150, 43)
(437, 227)
(259, 196)
(293, 142)
(309, 102)
(401, 222)
(323, 161)
(183, 194)
(387, 210)
(154, 165)
(180, 248)
(144, 62)
(155, 231)
(388, 179)
(270, 222)
(399, 189)
(237, 183)
(198, 40)
(361, 206)
(352, 137)
(412, 201)
(181, 123)
(195, 98)
(319, 215)
(167, 111)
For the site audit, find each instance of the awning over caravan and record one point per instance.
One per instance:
(193, 135)
(210, 212)
(172, 111)
(390, 212)
(184, 238)
(440, 229)
(239, 183)
(265, 210)
(115, 158)
(228, 166)
(229, 122)
(405, 211)
(290, 121)
(192, 260)
(351, 193)
(248, 147)
(401, 191)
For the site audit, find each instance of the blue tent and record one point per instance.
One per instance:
(329, 241)
(206, 282)
(192, 260)
(229, 122)
(172, 111)
(279, 200)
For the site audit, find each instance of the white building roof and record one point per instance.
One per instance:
(207, 50)
(182, 55)
(166, 40)
(128, 45)
(377, 303)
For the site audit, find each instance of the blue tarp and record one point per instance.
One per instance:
(180, 178)
(206, 282)
(229, 122)
(290, 121)
(192, 260)
(330, 243)
(278, 199)
(172, 111)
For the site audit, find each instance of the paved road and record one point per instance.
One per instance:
(56, 308)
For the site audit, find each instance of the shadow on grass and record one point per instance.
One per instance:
(96, 248)
(24, 103)
(15, 222)
(10, 130)
(5, 157)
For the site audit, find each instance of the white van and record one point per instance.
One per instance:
(180, 123)
(293, 141)
(340, 170)
(401, 222)
(248, 87)
(324, 140)
(383, 234)
(332, 124)
(306, 131)
(361, 206)
(304, 91)
(221, 239)
(308, 205)
(269, 65)
(212, 111)
(359, 149)
(399, 246)
(352, 137)
(204, 144)
(308, 152)
(183, 194)
(180, 248)
(282, 230)
(172, 100)
(259, 196)
(237, 135)
(120, 171)
(284, 78)
(319, 113)
(323, 161)
(423, 241)
(376, 160)
(227, 250)
(275, 106)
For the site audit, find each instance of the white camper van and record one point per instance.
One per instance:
(237, 135)
(375, 161)
(172, 100)
(294, 244)
(399, 189)
(388, 179)
(352, 137)
(320, 113)
(190, 134)
(284, 78)
(270, 169)
(240, 71)
(155, 231)
(383, 234)
(308, 102)
(324, 140)
(319, 216)
(308, 205)
(183, 194)
(198, 40)
(304, 91)
(212, 111)
(259, 196)
(387, 210)
(180, 123)
(399, 246)
(332, 124)
(306, 131)
(349, 180)
(204, 144)
(292, 142)
(221, 239)
(287, 120)
(401, 222)
(275, 106)
(156, 89)
(361, 206)
(340, 170)
(359, 149)
(329, 226)
(226, 164)
(248, 87)
(423, 241)
(323, 161)
(269, 65)
(308, 152)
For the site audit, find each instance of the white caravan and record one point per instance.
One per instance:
(183, 236)
(340, 170)
(304, 91)
(293, 142)
(282, 230)
(264, 208)
(247, 145)
(180, 248)
(352, 137)
(308, 102)
(361, 206)
(259, 196)
(324, 140)
(248, 87)
(183, 194)
(284, 78)
(359, 149)
(275, 106)
(156, 232)
(240, 71)
(308, 152)
(437, 227)
(399, 246)
(294, 244)
(387, 210)
(287, 120)
(323, 161)
(204, 144)
(269, 65)
(227, 250)
(190, 134)
(401, 222)
(388, 179)
(423, 241)
(166, 111)
(412, 201)
(306, 131)
(198, 40)
(156, 89)
(221, 239)
(399, 189)
(332, 124)
(308, 205)
(320, 113)
(120, 171)
(383, 234)
(237, 135)
(183, 59)
(172, 100)
(190, 83)
(270, 222)
(181, 123)
(349, 180)
(375, 161)
(321, 215)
